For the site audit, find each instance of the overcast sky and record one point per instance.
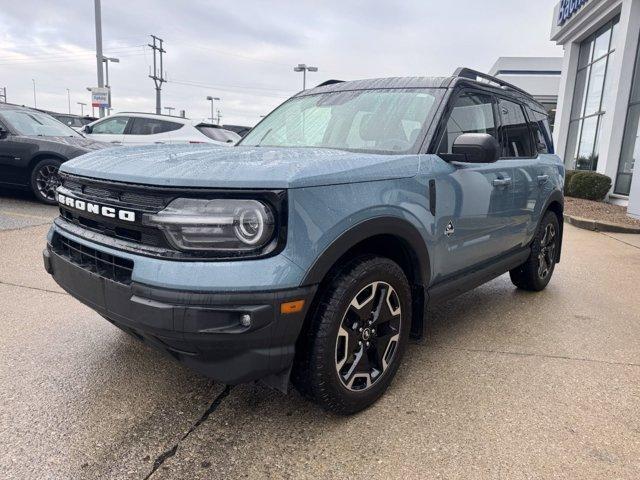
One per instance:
(244, 51)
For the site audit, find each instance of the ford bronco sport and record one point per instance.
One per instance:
(310, 252)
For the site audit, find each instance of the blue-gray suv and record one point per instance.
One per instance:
(310, 252)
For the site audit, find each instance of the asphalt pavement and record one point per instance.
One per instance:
(506, 384)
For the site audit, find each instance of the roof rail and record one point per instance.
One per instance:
(328, 82)
(471, 74)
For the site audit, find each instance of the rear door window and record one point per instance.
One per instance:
(470, 113)
(152, 126)
(516, 136)
(539, 123)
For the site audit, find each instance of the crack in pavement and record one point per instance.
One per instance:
(3, 230)
(621, 241)
(160, 459)
(9, 284)
(541, 355)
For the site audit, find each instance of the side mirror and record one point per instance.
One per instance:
(475, 148)
(3, 133)
(87, 129)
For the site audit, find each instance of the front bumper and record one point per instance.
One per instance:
(200, 329)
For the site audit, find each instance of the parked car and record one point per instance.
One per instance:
(311, 250)
(32, 147)
(128, 128)
(239, 129)
(76, 122)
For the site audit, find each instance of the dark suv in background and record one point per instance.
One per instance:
(33, 145)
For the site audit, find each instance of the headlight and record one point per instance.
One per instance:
(224, 225)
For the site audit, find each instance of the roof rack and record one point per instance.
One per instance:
(328, 82)
(471, 74)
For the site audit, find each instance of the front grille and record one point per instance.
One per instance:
(99, 191)
(104, 264)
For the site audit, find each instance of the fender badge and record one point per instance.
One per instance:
(449, 230)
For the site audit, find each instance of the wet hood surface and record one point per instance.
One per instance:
(74, 142)
(239, 167)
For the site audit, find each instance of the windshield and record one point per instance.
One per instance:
(219, 134)
(384, 121)
(28, 122)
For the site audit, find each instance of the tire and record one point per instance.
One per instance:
(44, 180)
(534, 274)
(367, 300)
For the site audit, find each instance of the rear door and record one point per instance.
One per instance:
(474, 200)
(525, 145)
(110, 130)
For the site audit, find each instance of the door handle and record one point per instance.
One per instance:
(116, 142)
(543, 178)
(501, 182)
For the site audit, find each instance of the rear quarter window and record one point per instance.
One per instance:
(152, 126)
(539, 123)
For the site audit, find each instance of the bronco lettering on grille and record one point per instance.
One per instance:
(109, 212)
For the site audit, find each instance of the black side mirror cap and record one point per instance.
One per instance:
(87, 129)
(3, 133)
(474, 148)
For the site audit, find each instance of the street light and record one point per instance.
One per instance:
(69, 100)
(81, 108)
(302, 67)
(211, 99)
(34, 93)
(106, 61)
(169, 109)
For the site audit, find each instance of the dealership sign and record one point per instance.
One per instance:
(100, 97)
(568, 8)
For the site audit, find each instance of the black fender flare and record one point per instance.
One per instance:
(394, 226)
(558, 197)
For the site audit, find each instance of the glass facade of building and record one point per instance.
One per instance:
(631, 139)
(590, 98)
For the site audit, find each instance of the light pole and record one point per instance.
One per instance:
(99, 56)
(211, 99)
(82, 104)
(34, 93)
(106, 61)
(69, 100)
(304, 68)
(169, 109)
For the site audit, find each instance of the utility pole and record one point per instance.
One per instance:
(35, 105)
(69, 100)
(169, 109)
(158, 74)
(99, 58)
(82, 108)
(302, 67)
(3, 95)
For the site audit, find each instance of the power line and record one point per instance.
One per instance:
(234, 88)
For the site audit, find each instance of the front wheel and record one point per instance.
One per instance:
(45, 180)
(357, 336)
(536, 272)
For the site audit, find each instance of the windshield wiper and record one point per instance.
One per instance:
(263, 137)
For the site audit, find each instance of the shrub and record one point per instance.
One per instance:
(588, 185)
(567, 180)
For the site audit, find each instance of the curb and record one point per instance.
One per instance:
(598, 226)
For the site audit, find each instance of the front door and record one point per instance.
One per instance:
(110, 130)
(473, 200)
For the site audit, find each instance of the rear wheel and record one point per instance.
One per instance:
(357, 336)
(45, 180)
(536, 272)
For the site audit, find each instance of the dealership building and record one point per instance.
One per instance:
(598, 115)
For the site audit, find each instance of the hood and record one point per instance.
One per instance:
(239, 167)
